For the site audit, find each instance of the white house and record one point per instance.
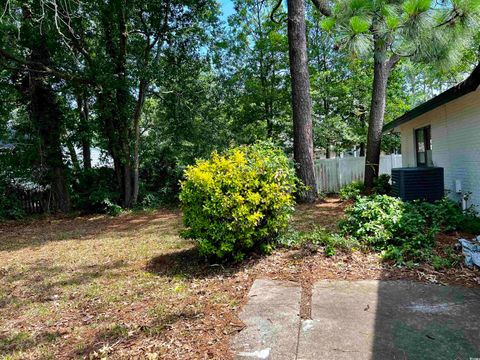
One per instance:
(445, 132)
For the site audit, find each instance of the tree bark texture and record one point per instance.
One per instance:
(48, 120)
(377, 113)
(85, 134)
(301, 100)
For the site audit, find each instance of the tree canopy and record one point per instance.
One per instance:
(106, 102)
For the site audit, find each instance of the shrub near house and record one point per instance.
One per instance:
(403, 231)
(239, 201)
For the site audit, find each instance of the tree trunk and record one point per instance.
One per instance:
(377, 113)
(48, 120)
(362, 149)
(301, 100)
(136, 150)
(73, 155)
(82, 105)
(114, 100)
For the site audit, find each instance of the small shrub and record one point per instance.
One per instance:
(399, 230)
(95, 199)
(111, 209)
(470, 224)
(440, 263)
(322, 237)
(372, 220)
(351, 191)
(239, 201)
(403, 231)
(150, 201)
(381, 185)
(10, 208)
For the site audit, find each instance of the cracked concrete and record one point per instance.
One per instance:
(360, 320)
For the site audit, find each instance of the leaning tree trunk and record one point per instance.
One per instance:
(301, 100)
(377, 113)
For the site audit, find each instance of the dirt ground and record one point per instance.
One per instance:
(130, 287)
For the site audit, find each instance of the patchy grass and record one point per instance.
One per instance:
(97, 287)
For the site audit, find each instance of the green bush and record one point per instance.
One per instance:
(351, 191)
(94, 191)
(239, 201)
(381, 185)
(470, 224)
(403, 231)
(400, 230)
(373, 220)
(10, 206)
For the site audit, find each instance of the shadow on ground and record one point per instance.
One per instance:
(190, 264)
(419, 321)
(38, 232)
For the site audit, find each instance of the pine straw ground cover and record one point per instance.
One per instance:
(130, 287)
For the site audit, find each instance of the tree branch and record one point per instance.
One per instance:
(39, 67)
(274, 10)
(323, 7)
(394, 59)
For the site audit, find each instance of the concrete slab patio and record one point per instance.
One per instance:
(360, 320)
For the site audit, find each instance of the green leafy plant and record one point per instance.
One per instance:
(372, 220)
(470, 224)
(351, 191)
(320, 237)
(111, 209)
(399, 230)
(238, 201)
(10, 206)
(381, 185)
(98, 198)
(403, 231)
(447, 262)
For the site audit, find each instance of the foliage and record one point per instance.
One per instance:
(207, 84)
(470, 224)
(450, 260)
(403, 231)
(100, 198)
(351, 191)
(355, 188)
(238, 201)
(111, 209)
(381, 185)
(10, 207)
(373, 220)
(319, 236)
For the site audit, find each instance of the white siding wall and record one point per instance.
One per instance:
(455, 129)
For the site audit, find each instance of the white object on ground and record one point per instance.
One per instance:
(259, 354)
(471, 250)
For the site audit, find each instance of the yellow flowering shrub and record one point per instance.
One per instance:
(239, 201)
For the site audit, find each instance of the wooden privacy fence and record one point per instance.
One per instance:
(332, 174)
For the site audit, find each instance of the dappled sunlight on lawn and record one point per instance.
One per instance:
(130, 285)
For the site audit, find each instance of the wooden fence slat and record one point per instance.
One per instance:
(332, 174)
